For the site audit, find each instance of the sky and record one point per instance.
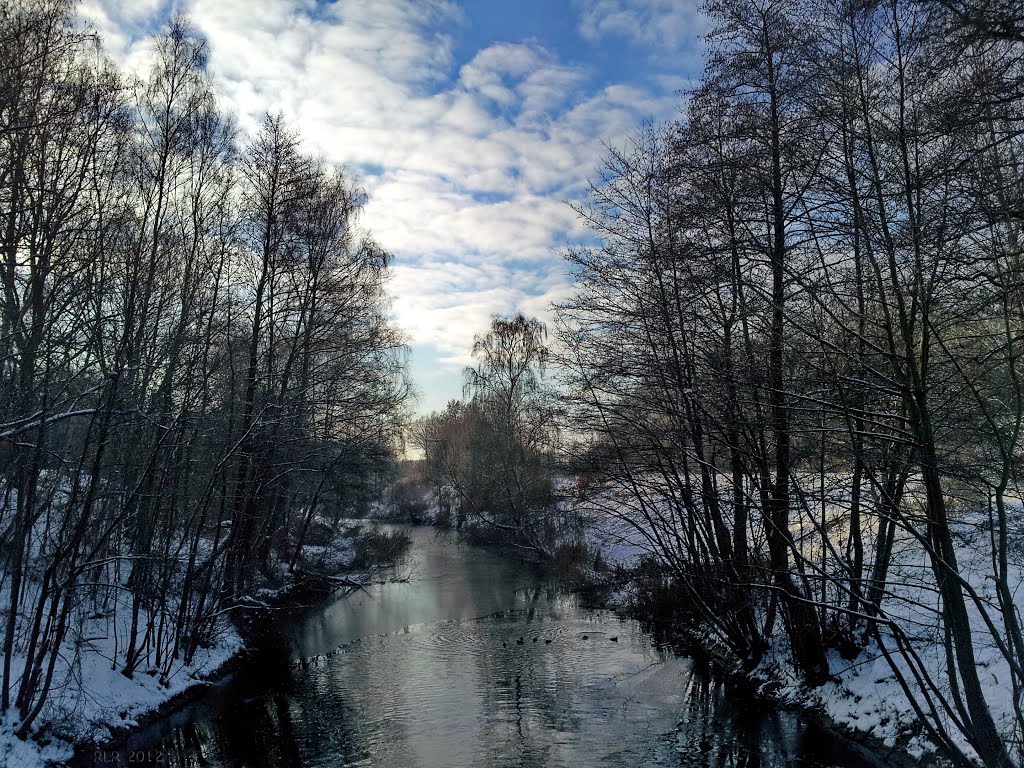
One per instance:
(472, 126)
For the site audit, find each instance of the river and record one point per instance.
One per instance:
(473, 659)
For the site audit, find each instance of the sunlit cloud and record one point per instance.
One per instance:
(669, 24)
(469, 160)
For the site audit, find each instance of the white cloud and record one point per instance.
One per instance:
(451, 301)
(468, 167)
(665, 23)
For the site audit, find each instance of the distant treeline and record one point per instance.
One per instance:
(195, 355)
(490, 460)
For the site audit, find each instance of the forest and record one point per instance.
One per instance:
(196, 356)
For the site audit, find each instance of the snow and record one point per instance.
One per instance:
(94, 698)
(611, 529)
(869, 698)
(618, 543)
(866, 696)
(91, 698)
(331, 558)
(16, 753)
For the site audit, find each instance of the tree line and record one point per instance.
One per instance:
(797, 353)
(195, 352)
(490, 458)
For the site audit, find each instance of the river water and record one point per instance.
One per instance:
(473, 659)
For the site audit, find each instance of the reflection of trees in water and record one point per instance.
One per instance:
(520, 711)
(355, 708)
(722, 728)
(530, 696)
(450, 693)
(536, 695)
(258, 734)
(714, 733)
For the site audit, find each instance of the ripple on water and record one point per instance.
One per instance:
(432, 672)
(448, 693)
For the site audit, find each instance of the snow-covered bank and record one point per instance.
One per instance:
(863, 703)
(865, 698)
(93, 702)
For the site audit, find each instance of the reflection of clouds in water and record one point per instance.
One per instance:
(433, 673)
(531, 703)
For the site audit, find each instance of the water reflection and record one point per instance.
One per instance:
(475, 661)
(715, 730)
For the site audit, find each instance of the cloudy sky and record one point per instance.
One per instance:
(471, 125)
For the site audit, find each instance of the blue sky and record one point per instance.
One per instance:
(470, 124)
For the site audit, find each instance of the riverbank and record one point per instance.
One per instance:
(863, 702)
(306, 591)
(97, 706)
(97, 702)
(769, 688)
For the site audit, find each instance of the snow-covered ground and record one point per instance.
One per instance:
(91, 698)
(866, 695)
(869, 698)
(618, 542)
(330, 558)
